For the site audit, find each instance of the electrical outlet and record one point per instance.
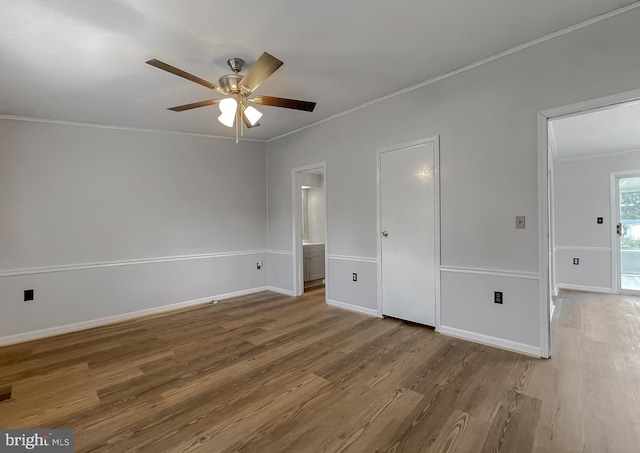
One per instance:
(28, 295)
(497, 297)
(576, 261)
(600, 220)
(259, 265)
(355, 277)
(520, 222)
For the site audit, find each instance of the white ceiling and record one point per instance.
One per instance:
(83, 60)
(609, 130)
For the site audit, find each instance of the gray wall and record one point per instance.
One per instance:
(582, 193)
(486, 120)
(103, 222)
(317, 228)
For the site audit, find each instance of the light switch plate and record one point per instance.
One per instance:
(520, 221)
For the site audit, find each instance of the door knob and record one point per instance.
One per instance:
(384, 234)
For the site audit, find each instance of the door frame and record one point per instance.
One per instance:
(544, 228)
(436, 186)
(296, 210)
(616, 254)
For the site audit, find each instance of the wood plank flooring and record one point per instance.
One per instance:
(271, 373)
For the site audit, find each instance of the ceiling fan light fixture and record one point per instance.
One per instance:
(253, 115)
(236, 89)
(227, 118)
(228, 105)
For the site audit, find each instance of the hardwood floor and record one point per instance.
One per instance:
(271, 373)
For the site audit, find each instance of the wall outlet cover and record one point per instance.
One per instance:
(28, 295)
(520, 222)
(355, 277)
(497, 297)
(576, 261)
(600, 220)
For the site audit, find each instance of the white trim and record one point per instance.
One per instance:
(551, 212)
(360, 259)
(133, 262)
(356, 308)
(544, 233)
(598, 156)
(280, 252)
(491, 272)
(286, 292)
(552, 143)
(59, 330)
(296, 233)
(119, 128)
(266, 201)
(614, 207)
(593, 105)
(481, 62)
(378, 241)
(626, 174)
(583, 249)
(436, 195)
(491, 341)
(590, 289)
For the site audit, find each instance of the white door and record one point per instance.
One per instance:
(408, 210)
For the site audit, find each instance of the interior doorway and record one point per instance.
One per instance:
(309, 189)
(586, 150)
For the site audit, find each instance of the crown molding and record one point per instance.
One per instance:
(119, 128)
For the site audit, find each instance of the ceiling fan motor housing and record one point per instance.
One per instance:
(230, 83)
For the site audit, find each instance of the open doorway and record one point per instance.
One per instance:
(582, 148)
(310, 228)
(596, 230)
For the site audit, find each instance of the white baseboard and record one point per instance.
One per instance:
(243, 292)
(590, 289)
(275, 289)
(356, 308)
(67, 328)
(491, 341)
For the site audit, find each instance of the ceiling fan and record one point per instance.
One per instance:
(238, 88)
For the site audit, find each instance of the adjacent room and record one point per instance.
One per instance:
(284, 226)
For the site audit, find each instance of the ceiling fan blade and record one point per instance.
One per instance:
(265, 66)
(246, 122)
(180, 73)
(283, 102)
(195, 105)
